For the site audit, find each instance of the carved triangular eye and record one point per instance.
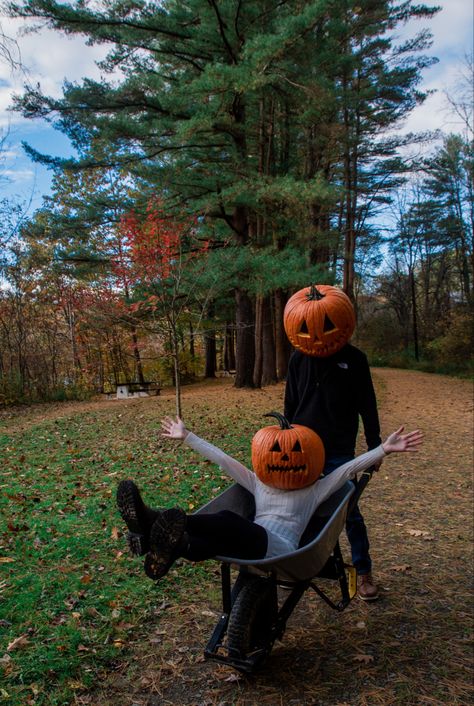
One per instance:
(328, 324)
(304, 327)
(297, 446)
(276, 447)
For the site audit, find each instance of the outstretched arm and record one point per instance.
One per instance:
(175, 429)
(395, 443)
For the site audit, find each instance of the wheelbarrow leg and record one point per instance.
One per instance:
(221, 627)
(348, 588)
(288, 607)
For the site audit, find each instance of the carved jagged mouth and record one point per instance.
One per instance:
(281, 469)
(316, 341)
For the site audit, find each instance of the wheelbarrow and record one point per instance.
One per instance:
(252, 617)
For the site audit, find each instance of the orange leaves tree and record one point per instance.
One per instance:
(158, 260)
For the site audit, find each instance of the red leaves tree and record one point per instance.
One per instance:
(154, 252)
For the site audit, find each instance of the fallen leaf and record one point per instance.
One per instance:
(418, 533)
(232, 678)
(17, 643)
(365, 659)
(6, 559)
(73, 684)
(402, 568)
(114, 533)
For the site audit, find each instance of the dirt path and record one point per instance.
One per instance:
(412, 648)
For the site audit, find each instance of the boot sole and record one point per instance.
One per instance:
(138, 543)
(128, 501)
(165, 536)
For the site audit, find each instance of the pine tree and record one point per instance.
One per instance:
(246, 114)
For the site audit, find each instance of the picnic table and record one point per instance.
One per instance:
(137, 389)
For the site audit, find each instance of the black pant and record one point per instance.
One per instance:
(224, 534)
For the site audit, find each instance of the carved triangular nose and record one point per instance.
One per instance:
(285, 457)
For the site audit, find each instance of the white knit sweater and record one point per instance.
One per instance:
(284, 513)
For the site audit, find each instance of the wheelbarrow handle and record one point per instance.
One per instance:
(360, 486)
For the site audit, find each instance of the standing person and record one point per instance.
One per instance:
(328, 387)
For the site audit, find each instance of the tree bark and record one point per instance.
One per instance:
(245, 340)
(191, 340)
(244, 314)
(136, 355)
(210, 352)
(414, 314)
(269, 374)
(258, 364)
(229, 348)
(282, 345)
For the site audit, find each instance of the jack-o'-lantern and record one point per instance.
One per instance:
(287, 456)
(319, 320)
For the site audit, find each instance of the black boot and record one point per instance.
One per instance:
(138, 517)
(168, 540)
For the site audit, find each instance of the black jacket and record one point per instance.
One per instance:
(329, 394)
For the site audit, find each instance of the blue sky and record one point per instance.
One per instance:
(49, 58)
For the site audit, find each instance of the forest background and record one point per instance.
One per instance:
(231, 153)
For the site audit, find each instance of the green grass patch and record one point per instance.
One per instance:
(70, 595)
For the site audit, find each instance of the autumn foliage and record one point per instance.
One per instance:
(151, 247)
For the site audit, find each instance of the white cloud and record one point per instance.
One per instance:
(452, 30)
(47, 57)
(18, 175)
(9, 154)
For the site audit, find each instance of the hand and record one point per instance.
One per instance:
(173, 429)
(398, 442)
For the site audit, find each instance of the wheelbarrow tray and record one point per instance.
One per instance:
(317, 544)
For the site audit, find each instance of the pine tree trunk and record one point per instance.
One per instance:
(210, 352)
(244, 314)
(258, 365)
(414, 313)
(349, 234)
(229, 348)
(282, 345)
(245, 326)
(269, 374)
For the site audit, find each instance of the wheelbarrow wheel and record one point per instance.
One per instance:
(252, 616)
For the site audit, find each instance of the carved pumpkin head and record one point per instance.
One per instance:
(287, 456)
(319, 320)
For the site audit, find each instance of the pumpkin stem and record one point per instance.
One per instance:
(284, 423)
(314, 293)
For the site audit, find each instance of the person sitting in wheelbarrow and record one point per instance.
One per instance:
(285, 486)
